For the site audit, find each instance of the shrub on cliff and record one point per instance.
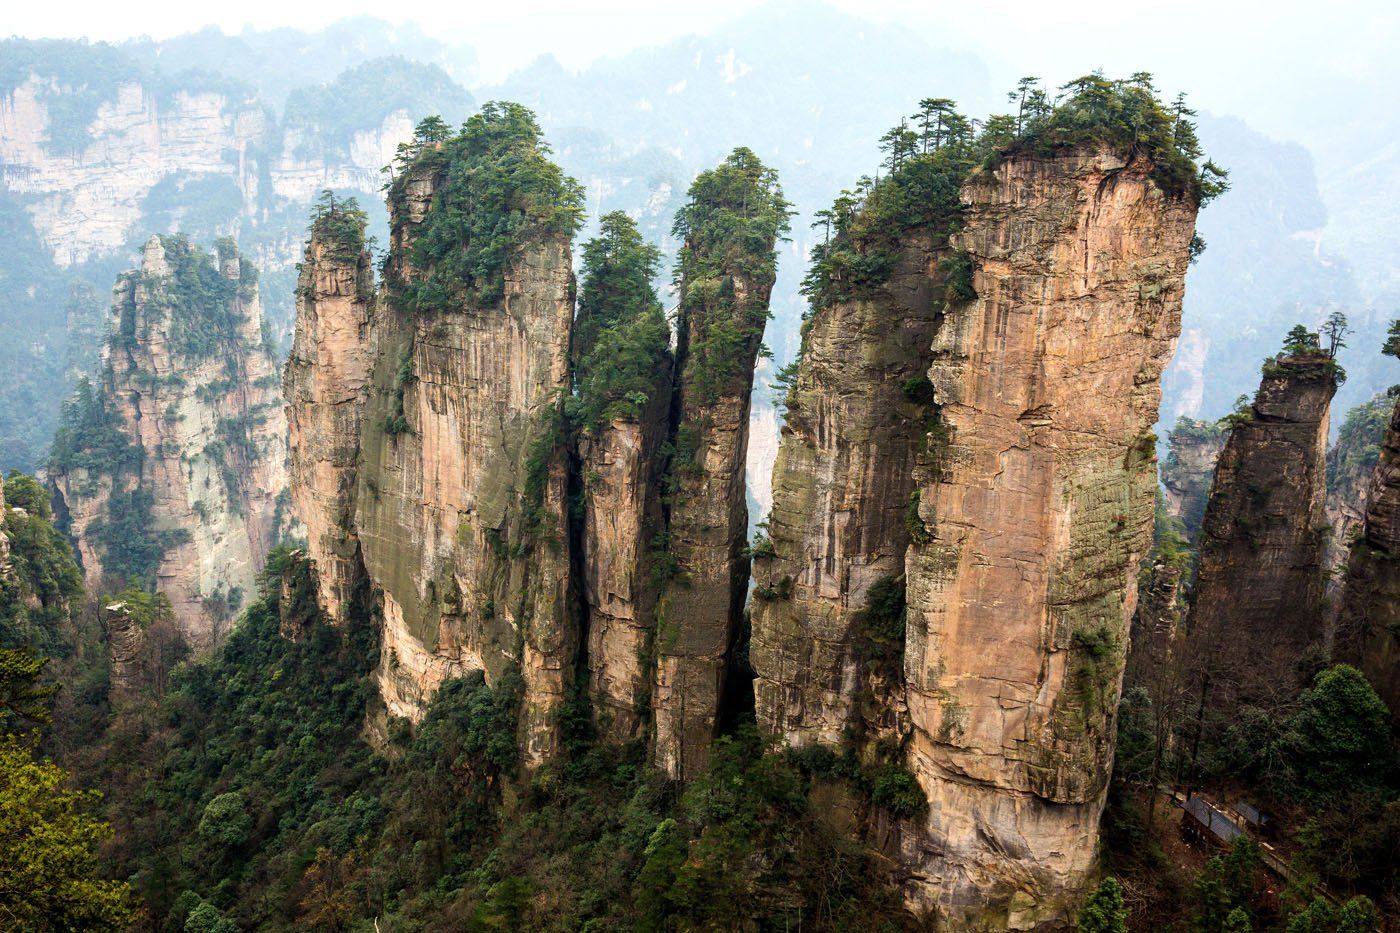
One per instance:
(496, 191)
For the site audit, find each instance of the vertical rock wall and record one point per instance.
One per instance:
(841, 487)
(621, 480)
(1192, 449)
(1260, 583)
(1034, 510)
(193, 392)
(473, 576)
(325, 385)
(701, 607)
(1368, 631)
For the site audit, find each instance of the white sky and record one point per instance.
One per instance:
(1252, 58)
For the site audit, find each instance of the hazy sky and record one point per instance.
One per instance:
(1263, 60)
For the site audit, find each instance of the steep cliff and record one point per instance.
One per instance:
(1031, 521)
(841, 486)
(622, 412)
(326, 385)
(1260, 582)
(1368, 629)
(4, 538)
(461, 507)
(725, 272)
(1192, 449)
(172, 470)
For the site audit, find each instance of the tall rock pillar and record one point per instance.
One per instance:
(1033, 511)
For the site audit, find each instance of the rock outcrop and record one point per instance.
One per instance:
(1031, 522)
(622, 414)
(326, 385)
(1260, 581)
(1368, 629)
(1351, 464)
(841, 485)
(1192, 449)
(127, 655)
(726, 273)
(975, 438)
(173, 469)
(462, 492)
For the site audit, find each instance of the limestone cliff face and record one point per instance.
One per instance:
(1368, 631)
(326, 386)
(1193, 447)
(462, 492)
(1034, 509)
(1259, 589)
(88, 202)
(841, 487)
(620, 468)
(701, 607)
(196, 494)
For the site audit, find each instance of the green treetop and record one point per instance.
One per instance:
(729, 231)
(621, 341)
(496, 191)
(340, 224)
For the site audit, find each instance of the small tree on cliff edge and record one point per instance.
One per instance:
(1104, 911)
(1334, 332)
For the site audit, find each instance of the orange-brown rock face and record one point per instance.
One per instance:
(1034, 510)
(4, 539)
(1368, 632)
(1260, 582)
(619, 466)
(841, 486)
(700, 609)
(462, 491)
(325, 384)
(196, 499)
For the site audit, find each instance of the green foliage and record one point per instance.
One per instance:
(1104, 911)
(1227, 884)
(49, 878)
(496, 191)
(621, 341)
(1338, 742)
(226, 821)
(729, 229)
(44, 584)
(880, 627)
(88, 436)
(340, 225)
(203, 304)
(24, 700)
(1358, 446)
(1391, 347)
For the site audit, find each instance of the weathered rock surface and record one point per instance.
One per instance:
(1034, 510)
(621, 475)
(1192, 449)
(326, 384)
(473, 575)
(1260, 580)
(1368, 630)
(192, 390)
(126, 651)
(1351, 464)
(701, 607)
(841, 486)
